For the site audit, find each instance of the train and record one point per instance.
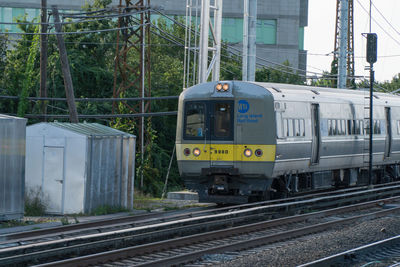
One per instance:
(239, 142)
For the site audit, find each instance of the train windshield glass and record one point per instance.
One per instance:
(222, 120)
(194, 120)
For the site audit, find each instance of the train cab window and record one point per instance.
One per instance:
(222, 120)
(194, 120)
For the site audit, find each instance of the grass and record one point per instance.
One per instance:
(106, 209)
(12, 223)
(35, 204)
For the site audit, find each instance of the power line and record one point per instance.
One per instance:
(383, 29)
(390, 24)
(70, 33)
(77, 22)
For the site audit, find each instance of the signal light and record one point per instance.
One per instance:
(258, 152)
(196, 152)
(248, 152)
(186, 151)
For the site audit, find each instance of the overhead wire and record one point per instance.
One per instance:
(388, 22)
(377, 23)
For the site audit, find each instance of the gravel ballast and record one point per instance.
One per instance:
(320, 245)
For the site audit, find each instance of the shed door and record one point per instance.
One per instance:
(53, 178)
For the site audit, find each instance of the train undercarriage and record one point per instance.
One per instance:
(228, 187)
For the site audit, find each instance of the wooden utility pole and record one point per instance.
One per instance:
(43, 56)
(69, 88)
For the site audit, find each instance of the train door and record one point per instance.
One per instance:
(316, 134)
(388, 142)
(221, 133)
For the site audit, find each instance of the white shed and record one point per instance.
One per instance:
(80, 166)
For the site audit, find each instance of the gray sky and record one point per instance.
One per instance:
(319, 36)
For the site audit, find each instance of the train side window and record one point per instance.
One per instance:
(349, 127)
(330, 128)
(356, 127)
(285, 127)
(398, 127)
(335, 127)
(361, 129)
(290, 127)
(297, 127)
(302, 128)
(343, 127)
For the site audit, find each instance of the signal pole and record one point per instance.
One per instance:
(372, 45)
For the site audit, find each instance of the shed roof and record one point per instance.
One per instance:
(89, 129)
(7, 117)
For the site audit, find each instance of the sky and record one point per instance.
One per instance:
(320, 34)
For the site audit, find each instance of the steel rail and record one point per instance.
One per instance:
(342, 257)
(220, 234)
(132, 219)
(321, 201)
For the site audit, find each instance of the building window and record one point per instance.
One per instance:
(232, 30)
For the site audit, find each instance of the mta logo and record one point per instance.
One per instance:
(244, 106)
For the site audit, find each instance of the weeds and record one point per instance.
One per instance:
(106, 209)
(35, 204)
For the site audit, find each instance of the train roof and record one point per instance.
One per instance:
(303, 92)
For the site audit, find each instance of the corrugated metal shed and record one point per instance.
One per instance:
(12, 167)
(81, 166)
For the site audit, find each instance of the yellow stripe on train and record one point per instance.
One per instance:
(225, 152)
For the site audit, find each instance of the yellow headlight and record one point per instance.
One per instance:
(196, 152)
(248, 152)
(218, 87)
(225, 87)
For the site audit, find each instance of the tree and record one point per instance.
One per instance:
(280, 74)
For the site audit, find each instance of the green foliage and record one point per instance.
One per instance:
(35, 204)
(106, 209)
(30, 75)
(280, 74)
(64, 220)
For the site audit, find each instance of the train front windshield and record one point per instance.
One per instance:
(208, 119)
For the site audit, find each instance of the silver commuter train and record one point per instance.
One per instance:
(245, 141)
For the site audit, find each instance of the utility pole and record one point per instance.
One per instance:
(43, 55)
(343, 55)
(249, 40)
(69, 88)
(342, 62)
(205, 28)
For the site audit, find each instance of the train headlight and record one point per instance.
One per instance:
(225, 87)
(196, 152)
(258, 152)
(248, 152)
(186, 151)
(218, 87)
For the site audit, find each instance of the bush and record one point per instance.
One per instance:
(35, 204)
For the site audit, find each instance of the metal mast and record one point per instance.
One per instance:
(344, 43)
(206, 27)
(249, 40)
(132, 77)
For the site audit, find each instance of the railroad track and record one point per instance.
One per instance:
(52, 247)
(381, 253)
(190, 248)
(60, 232)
